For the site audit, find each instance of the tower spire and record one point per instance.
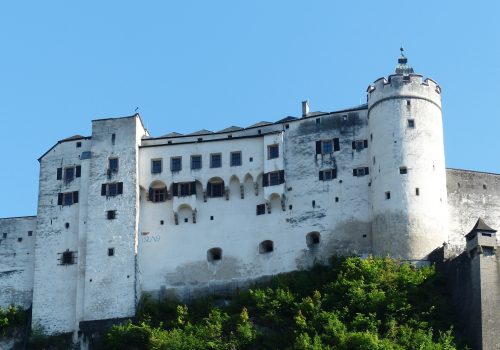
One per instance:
(403, 67)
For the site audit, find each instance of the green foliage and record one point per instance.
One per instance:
(10, 318)
(354, 303)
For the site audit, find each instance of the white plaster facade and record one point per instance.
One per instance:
(363, 180)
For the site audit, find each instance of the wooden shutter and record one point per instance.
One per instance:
(265, 180)
(120, 188)
(334, 173)
(353, 144)
(318, 147)
(281, 177)
(367, 171)
(59, 173)
(150, 194)
(175, 189)
(103, 189)
(336, 144)
(60, 199)
(75, 197)
(193, 188)
(365, 143)
(321, 175)
(78, 171)
(354, 172)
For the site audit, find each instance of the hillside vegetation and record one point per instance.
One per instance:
(353, 303)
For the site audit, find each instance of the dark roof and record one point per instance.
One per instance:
(262, 123)
(201, 132)
(72, 138)
(480, 226)
(231, 128)
(287, 119)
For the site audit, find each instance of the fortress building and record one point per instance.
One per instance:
(122, 213)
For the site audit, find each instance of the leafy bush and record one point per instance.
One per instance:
(10, 318)
(354, 303)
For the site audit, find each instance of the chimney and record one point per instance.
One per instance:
(305, 108)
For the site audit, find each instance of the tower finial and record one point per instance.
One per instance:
(403, 67)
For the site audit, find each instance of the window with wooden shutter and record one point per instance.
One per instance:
(59, 173)
(78, 171)
(336, 144)
(151, 194)
(321, 175)
(318, 147)
(75, 197)
(120, 187)
(103, 189)
(175, 190)
(60, 199)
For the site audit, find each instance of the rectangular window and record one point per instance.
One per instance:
(30, 233)
(78, 144)
(67, 198)
(359, 145)
(156, 166)
(403, 170)
(360, 171)
(388, 195)
(195, 162)
(261, 209)
(235, 158)
(113, 165)
(176, 164)
(328, 146)
(111, 214)
(411, 123)
(69, 174)
(111, 251)
(112, 189)
(215, 189)
(273, 151)
(215, 160)
(327, 175)
(184, 189)
(67, 258)
(417, 191)
(273, 178)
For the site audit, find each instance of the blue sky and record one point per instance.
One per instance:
(190, 65)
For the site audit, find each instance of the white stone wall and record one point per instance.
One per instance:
(407, 224)
(58, 228)
(17, 248)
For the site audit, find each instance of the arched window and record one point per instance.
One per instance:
(215, 188)
(312, 239)
(266, 247)
(214, 254)
(157, 192)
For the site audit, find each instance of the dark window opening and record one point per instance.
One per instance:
(67, 198)
(312, 239)
(195, 162)
(314, 204)
(200, 139)
(30, 233)
(113, 165)
(157, 195)
(336, 199)
(417, 191)
(259, 131)
(261, 209)
(408, 102)
(287, 126)
(215, 189)
(78, 144)
(327, 175)
(328, 146)
(411, 123)
(162, 222)
(273, 151)
(273, 178)
(69, 174)
(485, 234)
(4, 235)
(360, 171)
(484, 187)
(266, 247)
(156, 166)
(175, 164)
(186, 220)
(403, 170)
(215, 160)
(169, 142)
(184, 189)
(19, 239)
(250, 159)
(67, 258)
(290, 207)
(388, 195)
(112, 189)
(111, 214)
(66, 225)
(235, 158)
(211, 217)
(214, 254)
(318, 120)
(113, 139)
(111, 251)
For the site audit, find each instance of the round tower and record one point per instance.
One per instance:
(408, 186)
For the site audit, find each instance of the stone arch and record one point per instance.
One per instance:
(266, 246)
(248, 185)
(215, 187)
(274, 201)
(214, 255)
(313, 239)
(185, 214)
(157, 192)
(234, 187)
